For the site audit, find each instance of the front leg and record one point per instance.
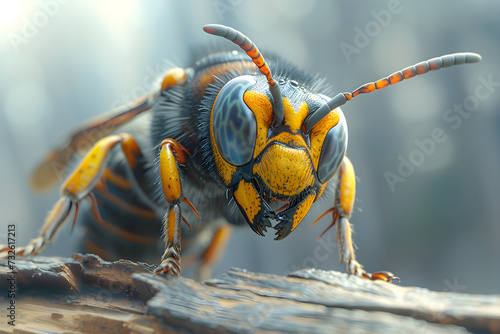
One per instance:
(171, 153)
(342, 210)
(344, 203)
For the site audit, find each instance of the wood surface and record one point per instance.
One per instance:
(85, 294)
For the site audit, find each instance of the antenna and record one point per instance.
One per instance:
(251, 50)
(407, 73)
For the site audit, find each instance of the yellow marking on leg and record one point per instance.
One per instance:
(171, 259)
(171, 225)
(170, 179)
(347, 186)
(88, 171)
(91, 172)
(131, 149)
(171, 153)
(49, 172)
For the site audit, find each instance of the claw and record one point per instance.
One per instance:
(95, 206)
(33, 248)
(177, 148)
(188, 202)
(75, 215)
(169, 266)
(187, 223)
(385, 276)
(336, 216)
(322, 215)
(4, 252)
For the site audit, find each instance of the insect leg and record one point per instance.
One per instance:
(214, 251)
(344, 202)
(346, 192)
(78, 186)
(47, 173)
(342, 210)
(50, 228)
(171, 153)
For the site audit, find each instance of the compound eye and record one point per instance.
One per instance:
(234, 124)
(333, 150)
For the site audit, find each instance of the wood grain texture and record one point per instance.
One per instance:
(85, 294)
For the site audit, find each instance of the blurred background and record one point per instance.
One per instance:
(426, 152)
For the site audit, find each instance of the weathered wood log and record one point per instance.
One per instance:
(88, 295)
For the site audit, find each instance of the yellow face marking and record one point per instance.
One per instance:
(302, 210)
(263, 110)
(295, 118)
(248, 199)
(319, 132)
(289, 139)
(285, 170)
(321, 191)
